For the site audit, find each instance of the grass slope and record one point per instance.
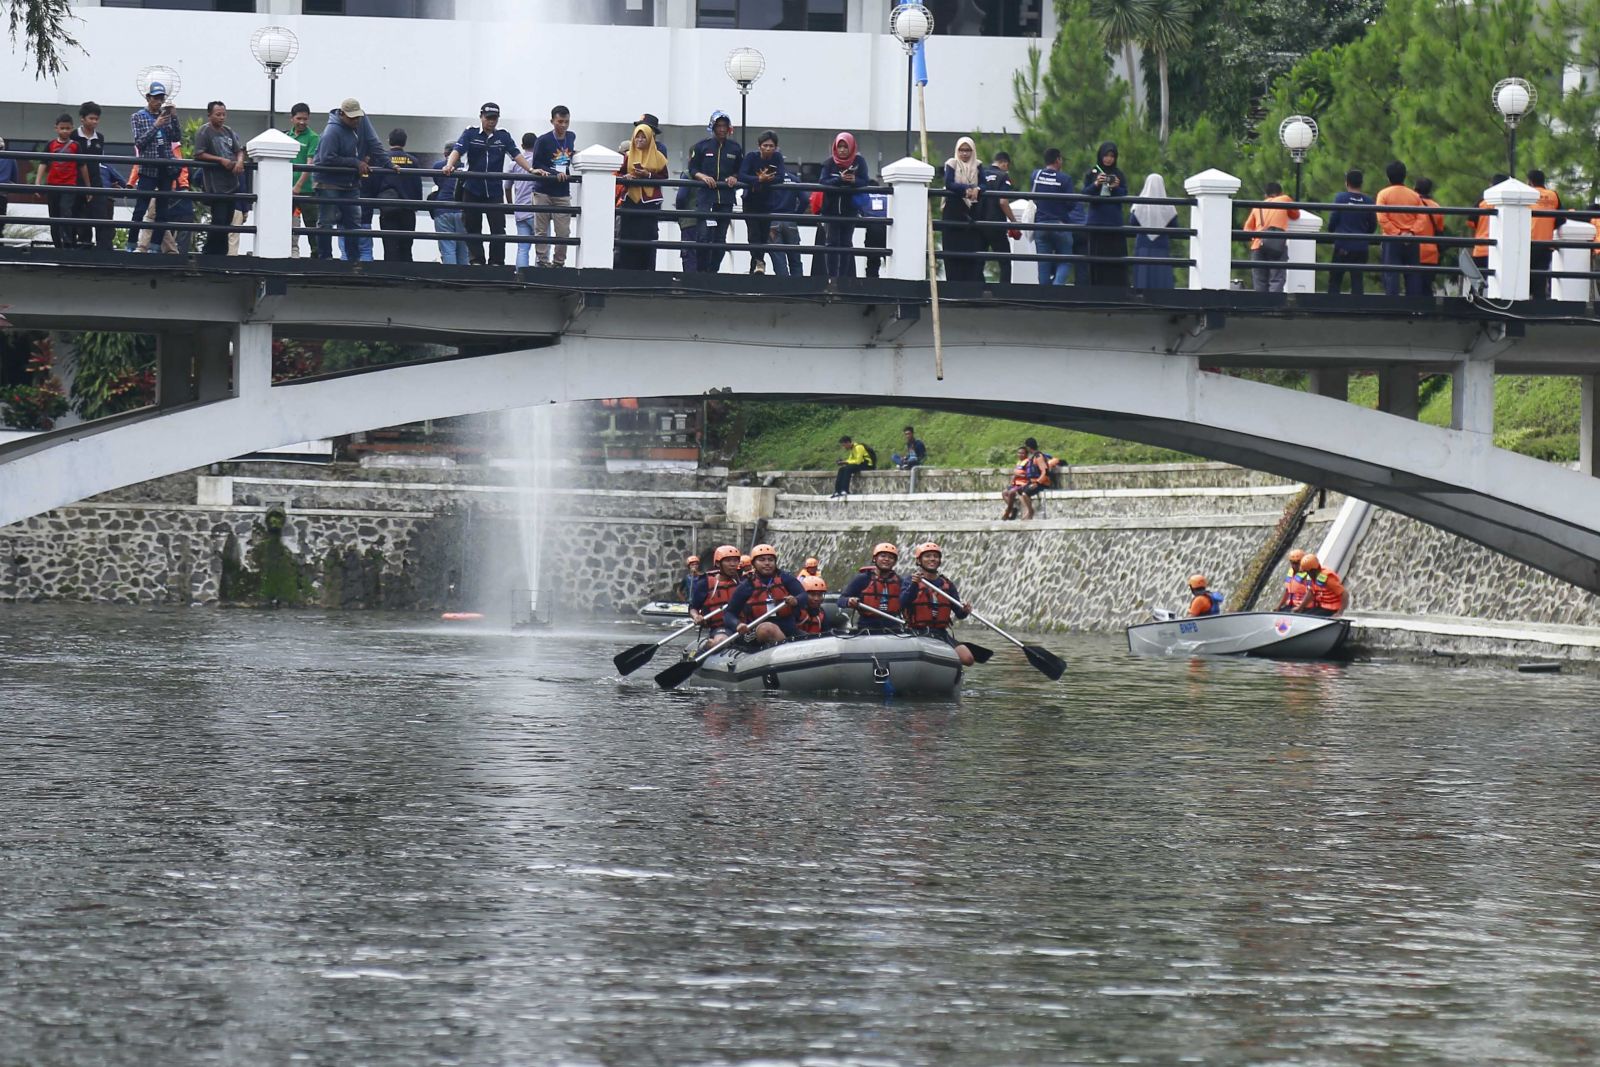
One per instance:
(1536, 416)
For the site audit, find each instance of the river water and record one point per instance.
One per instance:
(236, 837)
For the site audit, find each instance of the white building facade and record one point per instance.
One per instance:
(427, 65)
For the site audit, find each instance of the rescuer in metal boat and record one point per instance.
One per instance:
(1202, 600)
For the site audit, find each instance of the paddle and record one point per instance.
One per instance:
(979, 653)
(1048, 663)
(676, 674)
(631, 659)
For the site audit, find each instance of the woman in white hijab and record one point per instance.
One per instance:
(1153, 245)
(963, 183)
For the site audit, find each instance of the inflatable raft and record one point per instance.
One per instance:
(1271, 634)
(863, 664)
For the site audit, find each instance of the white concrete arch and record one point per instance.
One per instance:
(1534, 511)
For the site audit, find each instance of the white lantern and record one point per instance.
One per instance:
(744, 65)
(274, 48)
(165, 75)
(910, 24)
(1514, 98)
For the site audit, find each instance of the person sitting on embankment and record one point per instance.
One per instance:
(1324, 592)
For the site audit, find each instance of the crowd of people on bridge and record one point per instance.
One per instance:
(736, 597)
(1067, 230)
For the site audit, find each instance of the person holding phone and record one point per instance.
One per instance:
(155, 130)
(844, 173)
(639, 205)
(1109, 249)
(762, 175)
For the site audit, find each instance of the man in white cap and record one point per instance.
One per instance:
(347, 144)
(155, 130)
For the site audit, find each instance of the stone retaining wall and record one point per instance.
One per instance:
(1057, 503)
(992, 480)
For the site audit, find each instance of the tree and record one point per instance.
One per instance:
(42, 25)
(1123, 23)
(1168, 27)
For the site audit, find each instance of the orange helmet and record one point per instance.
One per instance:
(744, 561)
(1197, 581)
(724, 552)
(1309, 563)
(885, 546)
(692, 559)
(763, 550)
(926, 546)
(812, 563)
(813, 583)
(1296, 555)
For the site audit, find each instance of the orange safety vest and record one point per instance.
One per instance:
(1432, 226)
(1296, 585)
(719, 591)
(1480, 229)
(880, 594)
(765, 593)
(810, 621)
(927, 610)
(1327, 591)
(1544, 228)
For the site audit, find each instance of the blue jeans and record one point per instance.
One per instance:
(524, 229)
(452, 252)
(786, 264)
(1053, 243)
(152, 178)
(338, 211)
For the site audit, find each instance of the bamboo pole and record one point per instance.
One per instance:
(933, 258)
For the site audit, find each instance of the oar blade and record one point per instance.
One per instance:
(676, 674)
(979, 652)
(1048, 663)
(631, 659)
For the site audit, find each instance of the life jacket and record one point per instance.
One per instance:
(1026, 473)
(719, 590)
(809, 621)
(1294, 584)
(927, 610)
(765, 593)
(880, 594)
(1327, 594)
(1216, 601)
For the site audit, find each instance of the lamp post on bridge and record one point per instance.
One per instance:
(744, 65)
(1513, 98)
(910, 24)
(1298, 133)
(274, 48)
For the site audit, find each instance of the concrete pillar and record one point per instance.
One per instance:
(1302, 250)
(1334, 384)
(1397, 391)
(274, 152)
(1472, 396)
(1511, 230)
(597, 207)
(908, 214)
(1211, 218)
(751, 504)
(175, 351)
(1589, 426)
(252, 353)
(1573, 260)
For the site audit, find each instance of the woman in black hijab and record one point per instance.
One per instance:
(1109, 188)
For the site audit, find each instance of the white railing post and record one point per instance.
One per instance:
(1211, 218)
(1511, 229)
(908, 215)
(274, 152)
(1573, 260)
(597, 207)
(1301, 250)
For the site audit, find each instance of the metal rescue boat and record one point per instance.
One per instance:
(1271, 634)
(864, 664)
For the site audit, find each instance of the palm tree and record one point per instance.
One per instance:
(1169, 25)
(1122, 23)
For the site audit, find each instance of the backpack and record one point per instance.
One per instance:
(872, 458)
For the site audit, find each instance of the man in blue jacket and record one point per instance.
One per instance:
(1047, 211)
(762, 176)
(1362, 222)
(552, 164)
(765, 589)
(346, 146)
(716, 162)
(486, 150)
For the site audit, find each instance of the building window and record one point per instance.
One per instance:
(987, 18)
(246, 7)
(387, 9)
(633, 12)
(825, 16)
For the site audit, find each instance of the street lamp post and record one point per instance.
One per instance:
(910, 24)
(274, 48)
(1298, 133)
(744, 66)
(1513, 98)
